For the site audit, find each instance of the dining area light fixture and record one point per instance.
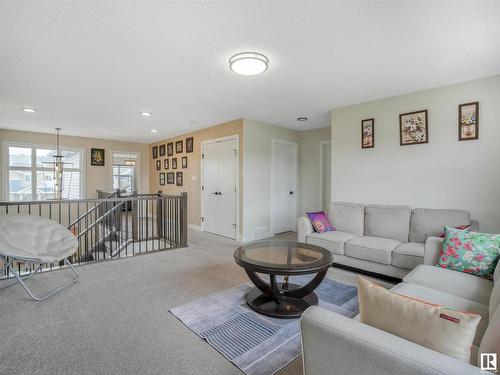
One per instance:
(248, 63)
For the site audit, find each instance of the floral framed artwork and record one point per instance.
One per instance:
(158, 165)
(174, 163)
(189, 144)
(468, 121)
(97, 157)
(170, 178)
(178, 178)
(170, 148)
(179, 147)
(165, 164)
(162, 178)
(413, 128)
(368, 133)
(162, 150)
(184, 162)
(155, 152)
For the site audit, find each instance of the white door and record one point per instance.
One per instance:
(284, 186)
(326, 175)
(220, 181)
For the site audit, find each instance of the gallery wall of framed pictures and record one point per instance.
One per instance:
(414, 126)
(171, 161)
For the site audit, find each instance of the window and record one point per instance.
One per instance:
(123, 177)
(31, 173)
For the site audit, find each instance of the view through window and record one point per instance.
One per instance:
(31, 173)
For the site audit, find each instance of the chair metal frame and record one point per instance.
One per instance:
(8, 264)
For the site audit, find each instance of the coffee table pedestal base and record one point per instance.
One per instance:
(287, 307)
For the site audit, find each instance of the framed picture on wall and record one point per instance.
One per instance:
(413, 128)
(170, 148)
(178, 147)
(178, 177)
(162, 178)
(155, 152)
(189, 144)
(184, 162)
(468, 121)
(162, 150)
(368, 133)
(170, 178)
(158, 165)
(174, 163)
(97, 157)
(165, 164)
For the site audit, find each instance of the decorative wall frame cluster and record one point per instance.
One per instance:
(168, 149)
(414, 126)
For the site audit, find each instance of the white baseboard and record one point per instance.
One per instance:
(194, 227)
(250, 238)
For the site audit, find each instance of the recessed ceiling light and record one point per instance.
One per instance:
(146, 114)
(248, 63)
(154, 131)
(31, 110)
(301, 118)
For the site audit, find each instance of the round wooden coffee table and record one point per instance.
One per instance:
(279, 298)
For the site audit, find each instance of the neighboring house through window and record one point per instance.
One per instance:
(29, 172)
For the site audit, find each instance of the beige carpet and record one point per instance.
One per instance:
(115, 319)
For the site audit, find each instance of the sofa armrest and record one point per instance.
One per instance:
(433, 246)
(304, 227)
(335, 345)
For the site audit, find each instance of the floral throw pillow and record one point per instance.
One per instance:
(470, 252)
(320, 222)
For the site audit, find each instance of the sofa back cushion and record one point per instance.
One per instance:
(427, 222)
(387, 221)
(347, 217)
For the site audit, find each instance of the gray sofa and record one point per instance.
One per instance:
(388, 240)
(335, 345)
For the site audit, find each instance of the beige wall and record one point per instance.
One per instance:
(444, 173)
(257, 140)
(309, 168)
(192, 175)
(96, 177)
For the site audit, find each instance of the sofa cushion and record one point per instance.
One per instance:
(333, 241)
(408, 255)
(347, 217)
(387, 221)
(373, 249)
(453, 282)
(470, 252)
(427, 222)
(447, 300)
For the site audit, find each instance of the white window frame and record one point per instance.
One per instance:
(6, 168)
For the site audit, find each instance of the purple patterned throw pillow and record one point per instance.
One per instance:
(320, 222)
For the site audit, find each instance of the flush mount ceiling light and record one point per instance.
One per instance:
(154, 131)
(145, 114)
(248, 63)
(301, 118)
(30, 110)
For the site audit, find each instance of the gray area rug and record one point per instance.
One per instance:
(257, 344)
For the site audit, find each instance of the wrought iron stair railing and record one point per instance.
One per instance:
(115, 226)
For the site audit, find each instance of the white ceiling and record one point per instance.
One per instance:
(91, 67)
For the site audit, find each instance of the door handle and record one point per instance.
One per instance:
(291, 192)
(217, 193)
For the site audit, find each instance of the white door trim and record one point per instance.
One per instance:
(296, 182)
(235, 137)
(322, 144)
